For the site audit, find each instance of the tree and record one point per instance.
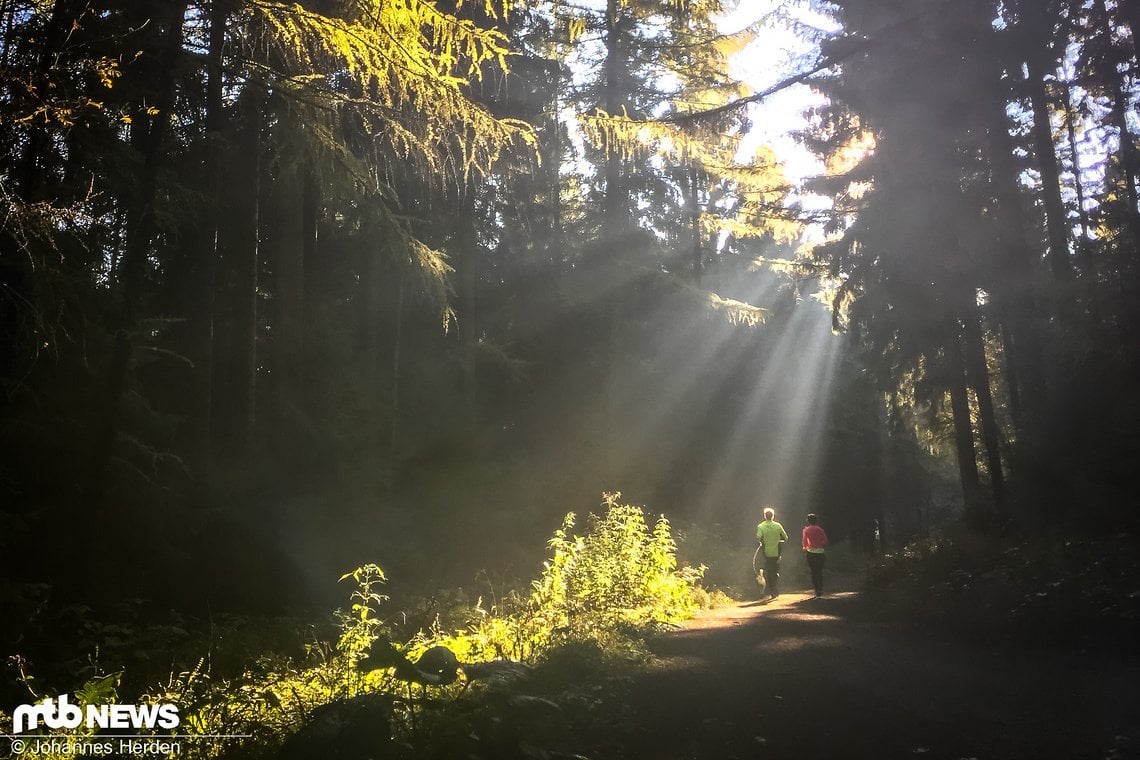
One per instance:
(209, 134)
(912, 257)
(945, 236)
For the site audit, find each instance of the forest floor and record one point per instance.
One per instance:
(825, 678)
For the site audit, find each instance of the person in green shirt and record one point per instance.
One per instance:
(771, 536)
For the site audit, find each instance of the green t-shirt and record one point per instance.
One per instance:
(771, 534)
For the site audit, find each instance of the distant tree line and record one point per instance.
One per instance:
(984, 179)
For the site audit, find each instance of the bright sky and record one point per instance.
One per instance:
(777, 53)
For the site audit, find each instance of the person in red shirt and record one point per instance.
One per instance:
(814, 542)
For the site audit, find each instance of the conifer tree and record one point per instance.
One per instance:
(911, 258)
(210, 133)
(946, 239)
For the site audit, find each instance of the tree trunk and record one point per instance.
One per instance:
(310, 228)
(1083, 252)
(614, 239)
(1084, 259)
(397, 345)
(285, 243)
(963, 430)
(1131, 11)
(1009, 360)
(557, 255)
(615, 201)
(1017, 274)
(1056, 220)
(693, 205)
(1120, 116)
(975, 354)
(204, 270)
(132, 268)
(368, 313)
(1128, 166)
(235, 348)
(467, 258)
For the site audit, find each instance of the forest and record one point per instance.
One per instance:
(288, 289)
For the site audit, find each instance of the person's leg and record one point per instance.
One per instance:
(772, 575)
(815, 562)
(822, 562)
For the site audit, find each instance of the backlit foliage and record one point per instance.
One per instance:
(731, 310)
(384, 90)
(408, 66)
(618, 578)
(619, 573)
(659, 133)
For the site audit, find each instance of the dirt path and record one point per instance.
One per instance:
(803, 678)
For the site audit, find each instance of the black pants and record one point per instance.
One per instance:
(815, 562)
(772, 575)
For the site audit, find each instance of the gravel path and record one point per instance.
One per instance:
(804, 678)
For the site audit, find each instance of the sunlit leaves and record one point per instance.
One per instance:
(729, 309)
(361, 627)
(410, 67)
(618, 572)
(385, 91)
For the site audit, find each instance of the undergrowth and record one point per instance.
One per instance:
(1064, 592)
(574, 635)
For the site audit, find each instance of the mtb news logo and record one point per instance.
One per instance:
(60, 713)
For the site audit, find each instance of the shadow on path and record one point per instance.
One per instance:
(809, 678)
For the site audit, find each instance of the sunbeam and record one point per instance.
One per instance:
(773, 451)
(698, 364)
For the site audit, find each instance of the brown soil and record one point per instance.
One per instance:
(818, 678)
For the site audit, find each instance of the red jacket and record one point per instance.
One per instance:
(814, 537)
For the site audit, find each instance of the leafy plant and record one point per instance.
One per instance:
(620, 574)
(360, 627)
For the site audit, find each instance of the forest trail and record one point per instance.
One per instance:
(804, 678)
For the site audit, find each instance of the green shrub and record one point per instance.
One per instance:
(618, 575)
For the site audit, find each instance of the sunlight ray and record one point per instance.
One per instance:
(773, 450)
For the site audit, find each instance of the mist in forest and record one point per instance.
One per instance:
(272, 310)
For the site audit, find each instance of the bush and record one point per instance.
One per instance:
(618, 576)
